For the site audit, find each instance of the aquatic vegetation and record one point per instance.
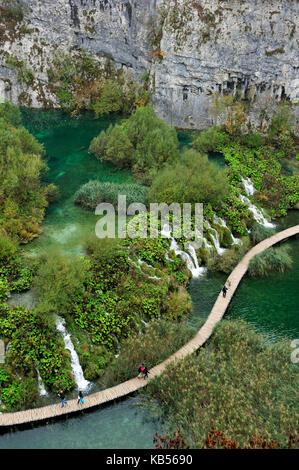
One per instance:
(157, 342)
(232, 384)
(32, 343)
(94, 192)
(273, 259)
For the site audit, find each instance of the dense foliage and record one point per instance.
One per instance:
(23, 199)
(273, 259)
(193, 179)
(269, 160)
(81, 82)
(144, 143)
(237, 383)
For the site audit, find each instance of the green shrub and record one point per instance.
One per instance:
(209, 140)
(252, 140)
(8, 249)
(260, 233)
(273, 259)
(59, 280)
(10, 113)
(144, 142)
(193, 179)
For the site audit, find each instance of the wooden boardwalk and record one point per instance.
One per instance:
(130, 386)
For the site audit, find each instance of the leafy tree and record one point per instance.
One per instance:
(10, 113)
(158, 147)
(22, 197)
(58, 282)
(119, 149)
(111, 99)
(192, 179)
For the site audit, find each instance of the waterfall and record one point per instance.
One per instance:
(215, 239)
(218, 220)
(82, 384)
(42, 390)
(140, 262)
(257, 213)
(190, 259)
(248, 185)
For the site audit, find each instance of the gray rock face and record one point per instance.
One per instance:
(192, 50)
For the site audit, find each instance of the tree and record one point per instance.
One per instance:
(111, 99)
(119, 148)
(193, 179)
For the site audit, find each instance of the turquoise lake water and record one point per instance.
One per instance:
(269, 303)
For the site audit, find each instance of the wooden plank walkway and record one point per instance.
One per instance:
(130, 386)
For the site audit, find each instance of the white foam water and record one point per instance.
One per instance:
(190, 259)
(218, 220)
(248, 185)
(215, 239)
(81, 382)
(41, 388)
(257, 213)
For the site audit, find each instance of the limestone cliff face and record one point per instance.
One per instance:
(191, 49)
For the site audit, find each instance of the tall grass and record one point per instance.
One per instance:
(273, 259)
(238, 383)
(157, 343)
(94, 192)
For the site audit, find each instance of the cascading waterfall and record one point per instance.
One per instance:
(190, 259)
(81, 382)
(41, 388)
(138, 266)
(218, 220)
(215, 239)
(257, 213)
(248, 185)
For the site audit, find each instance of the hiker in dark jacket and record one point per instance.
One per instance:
(61, 396)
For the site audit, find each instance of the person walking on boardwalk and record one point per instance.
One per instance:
(61, 396)
(224, 290)
(145, 373)
(140, 371)
(80, 398)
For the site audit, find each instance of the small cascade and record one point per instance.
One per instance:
(190, 258)
(197, 270)
(248, 185)
(138, 266)
(42, 390)
(82, 384)
(257, 213)
(215, 239)
(218, 220)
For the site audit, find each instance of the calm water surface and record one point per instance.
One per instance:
(270, 303)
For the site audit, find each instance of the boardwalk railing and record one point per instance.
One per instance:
(130, 386)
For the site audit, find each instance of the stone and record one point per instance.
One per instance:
(245, 48)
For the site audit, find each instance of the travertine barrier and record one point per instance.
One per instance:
(130, 386)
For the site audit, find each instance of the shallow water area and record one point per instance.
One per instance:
(123, 425)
